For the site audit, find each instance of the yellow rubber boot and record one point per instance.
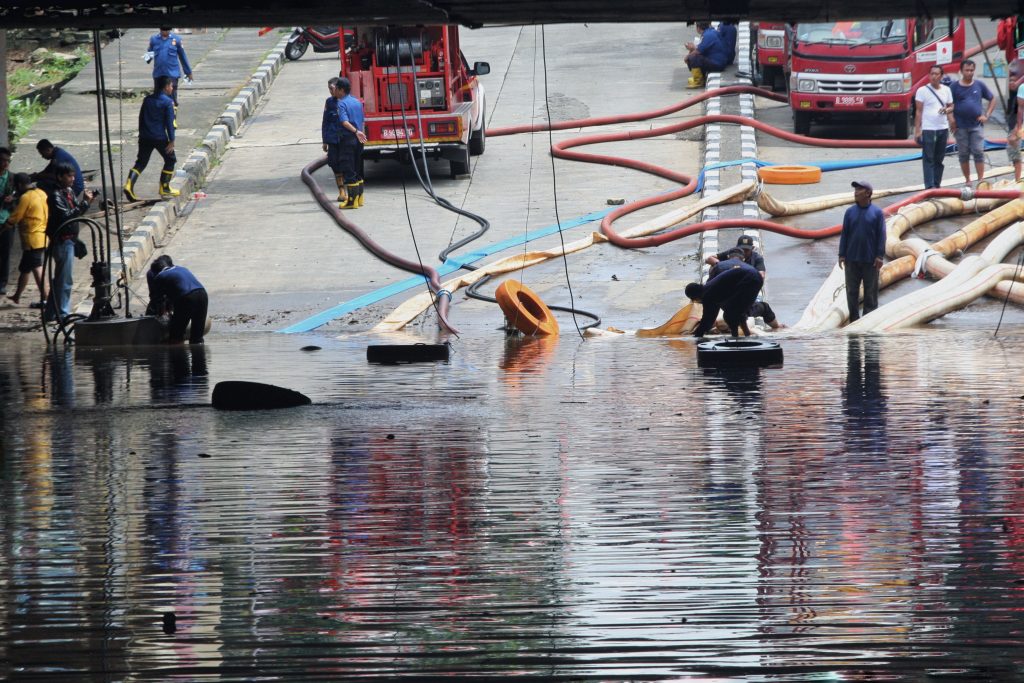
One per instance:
(352, 190)
(129, 185)
(696, 78)
(165, 185)
(359, 194)
(339, 180)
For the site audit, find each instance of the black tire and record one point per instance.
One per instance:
(296, 49)
(460, 167)
(901, 129)
(738, 353)
(802, 122)
(478, 138)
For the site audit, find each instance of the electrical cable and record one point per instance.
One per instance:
(1016, 273)
(405, 195)
(554, 178)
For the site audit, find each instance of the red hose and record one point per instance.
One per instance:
(433, 279)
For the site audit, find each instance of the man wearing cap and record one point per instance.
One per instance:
(732, 291)
(861, 248)
(750, 255)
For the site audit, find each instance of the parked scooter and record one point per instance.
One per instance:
(322, 38)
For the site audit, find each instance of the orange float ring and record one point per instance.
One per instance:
(789, 175)
(525, 310)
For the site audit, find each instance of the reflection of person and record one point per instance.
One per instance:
(863, 397)
(30, 217)
(861, 247)
(709, 55)
(933, 120)
(156, 132)
(166, 52)
(732, 291)
(970, 118)
(175, 288)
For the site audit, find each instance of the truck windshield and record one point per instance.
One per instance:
(853, 33)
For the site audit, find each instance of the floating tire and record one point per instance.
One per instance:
(525, 310)
(789, 175)
(738, 353)
(239, 395)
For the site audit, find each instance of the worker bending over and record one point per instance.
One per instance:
(733, 291)
(175, 290)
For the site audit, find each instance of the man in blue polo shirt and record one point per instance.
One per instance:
(165, 52)
(861, 248)
(709, 55)
(47, 178)
(352, 121)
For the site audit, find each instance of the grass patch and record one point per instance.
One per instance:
(22, 115)
(53, 69)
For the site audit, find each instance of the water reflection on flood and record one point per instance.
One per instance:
(539, 508)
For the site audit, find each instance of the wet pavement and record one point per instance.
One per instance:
(570, 509)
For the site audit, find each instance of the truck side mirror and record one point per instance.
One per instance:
(481, 68)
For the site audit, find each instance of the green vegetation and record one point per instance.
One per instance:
(53, 69)
(22, 114)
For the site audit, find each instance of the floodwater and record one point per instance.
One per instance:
(537, 509)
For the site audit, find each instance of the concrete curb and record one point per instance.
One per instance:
(153, 228)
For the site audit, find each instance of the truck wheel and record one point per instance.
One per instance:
(460, 167)
(478, 138)
(901, 131)
(802, 122)
(779, 82)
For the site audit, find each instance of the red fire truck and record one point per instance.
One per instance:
(418, 92)
(769, 51)
(866, 68)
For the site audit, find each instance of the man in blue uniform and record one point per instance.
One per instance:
(165, 52)
(330, 134)
(729, 33)
(733, 291)
(156, 132)
(352, 120)
(176, 290)
(47, 178)
(861, 248)
(708, 56)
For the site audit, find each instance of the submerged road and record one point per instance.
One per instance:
(544, 509)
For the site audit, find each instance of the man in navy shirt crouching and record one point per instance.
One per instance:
(174, 288)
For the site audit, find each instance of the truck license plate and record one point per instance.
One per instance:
(849, 101)
(396, 133)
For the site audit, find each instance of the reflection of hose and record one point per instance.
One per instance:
(433, 279)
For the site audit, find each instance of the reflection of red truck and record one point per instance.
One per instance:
(768, 53)
(416, 86)
(866, 68)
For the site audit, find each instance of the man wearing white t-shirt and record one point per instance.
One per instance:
(933, 122)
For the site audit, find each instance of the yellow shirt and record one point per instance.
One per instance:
(31, 216)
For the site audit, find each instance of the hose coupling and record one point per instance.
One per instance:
(967, 193)
(444, 292)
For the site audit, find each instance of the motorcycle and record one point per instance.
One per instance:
(322, 38)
